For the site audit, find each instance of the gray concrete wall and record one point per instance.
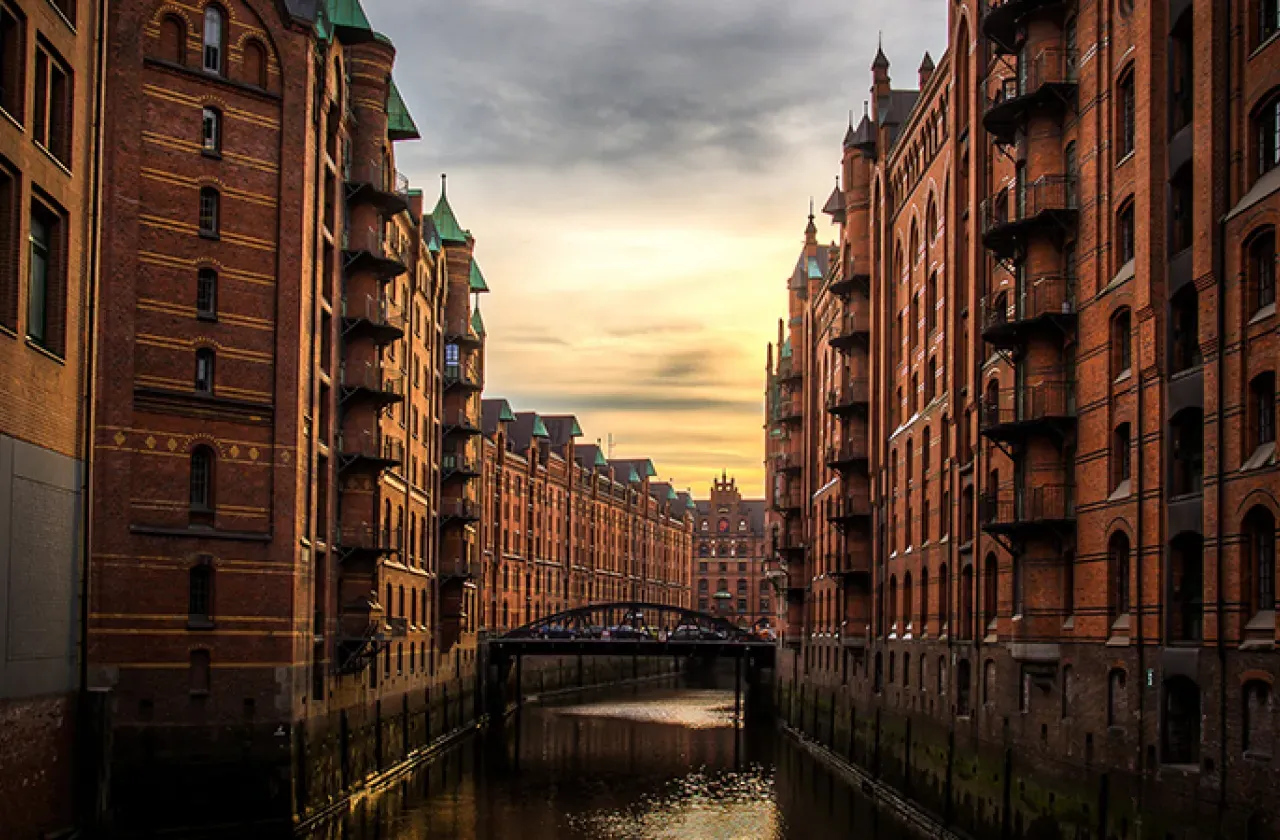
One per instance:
(41, 539)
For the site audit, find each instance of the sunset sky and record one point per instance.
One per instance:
(637, 175)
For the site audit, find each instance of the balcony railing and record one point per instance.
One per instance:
(370, 445)
(1009, 508)
(466, 510)
(459, 464)
(373, 378)
(848, 509)
(366, 249)
(849, 328)
(789, 369)
(1041, 402)
(465, 375)
(787, 501)
(787, 462)
(374, 311)
(848, 453)
(790, 409)
(1047, 296)
(1046, 79)
(368, 538)
(1001, 20)
(1005, 215)
(460, 331)
(461, 420)
(849, 394)
(459, 569)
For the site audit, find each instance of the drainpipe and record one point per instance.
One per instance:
(1219, 271)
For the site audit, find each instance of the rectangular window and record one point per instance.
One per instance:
(211, 132)
(9, 280)
(46, 279)
(1125, 249)
(51, 120)
(1127, 139)
(12, 62)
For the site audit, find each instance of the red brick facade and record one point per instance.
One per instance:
(732, 549)
(1056, 276)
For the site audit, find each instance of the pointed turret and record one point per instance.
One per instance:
(811, 230)
(926, 69)
(447, 227)
(880, 82)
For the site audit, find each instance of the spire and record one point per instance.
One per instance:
(446, 223)
(811, 230)
(926, 69)
(848, 135)
(881, 61)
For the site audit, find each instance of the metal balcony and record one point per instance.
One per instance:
(383, 386)
(461, 422)
(853, 327)
(365, 543)
(849, 455)
(375, 183)
(790, 542)
(1009, 219)
(789, 504)
(851, 395)
(464, 376)
(787, 462)
(853, 562)
(1011, 415)
(459, 512)
(362, 634)
(368, 450)
(372, 316)
(853, 276)
(1010, 318)
(459, 331)
(1002, 19)
(790, 410)
(1028, 512)
(459, 570)
(459, 466)
(848, 512)
(789, 371)
(1046, 85)
(365, 249)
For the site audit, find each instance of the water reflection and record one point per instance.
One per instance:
(664, 764)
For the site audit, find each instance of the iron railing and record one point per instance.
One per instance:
(1023, 201)
(375, 309)
(1012, 505)
(373, 377)
(1047, 294)
(1026, 404)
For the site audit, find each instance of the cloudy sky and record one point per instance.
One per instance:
(637, 175)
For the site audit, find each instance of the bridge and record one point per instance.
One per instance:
(635, 629)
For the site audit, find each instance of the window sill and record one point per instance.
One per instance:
(1124, 376)
(210, 317)
(1263, 456)
(211, 154)
(1128, 156)
(210, 235)
(66, 168)
(17, 122)
(1126, 273)
(1123, 491)
(1263, 314)
(35, 345)
(200, 624)
(68, 21)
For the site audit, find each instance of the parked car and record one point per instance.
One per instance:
(708, 634)
(593, 632)
(686, 633)
(620, 632)
(557, 631)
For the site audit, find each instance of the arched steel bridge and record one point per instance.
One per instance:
(635, 628)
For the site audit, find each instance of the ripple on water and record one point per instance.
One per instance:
(728, 805)
(691, 709)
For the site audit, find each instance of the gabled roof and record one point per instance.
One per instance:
(662, 491)
(835, 204)
(400, 125)
(640, 467)
(590, 456)
(686, 499)
(477, 278)
(494, 412)
(527, 427)
(447, 227)
(864, 136)
(563, 428)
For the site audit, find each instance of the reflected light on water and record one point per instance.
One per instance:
(690, 709)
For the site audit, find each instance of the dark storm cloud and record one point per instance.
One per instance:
(614, 82)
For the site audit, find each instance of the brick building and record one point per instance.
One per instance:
(1055, 275)
(49, 79)
(564, 526)
(732, 549)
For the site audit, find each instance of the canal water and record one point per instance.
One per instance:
(632, 764)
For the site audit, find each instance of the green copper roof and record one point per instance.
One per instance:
(671, 493)
(649, 471)
(634, 476)
(506, 415)
(477, 323)
(815, 273)
(477, 278)
(447, 223)
(601, 461)
(341, 13)
(785, 352)
(433, 245)
(400, 125)
(690, 503)
(540, 428)
(577, 430)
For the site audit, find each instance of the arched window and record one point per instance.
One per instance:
(1126, 236)
(931, 380)
(200, 594)
(211, 131)
(254, 64)
(1117, 700)
(1266, 122)
(990, 590)
(201, 494)
(924, 602)
(204, 371)
(1184, 319)
(944, 599)
(1262, 269)
(1181, 210)
(173, 39)
(1120, 458)
(1256, 732)
(908, 607)
(209, 206)
(965, 629)
(893, 603)
(1126, 122)
(1180, 723)
(214, 21)
(1260, 543)
(207, 293)
(702, 585)
(1118, 577)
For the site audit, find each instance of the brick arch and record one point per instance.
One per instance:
(1122, 525)
(213, 100)
(1259, 497)
(1257, 675)
(166, 9)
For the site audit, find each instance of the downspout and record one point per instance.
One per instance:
(1223, 198)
